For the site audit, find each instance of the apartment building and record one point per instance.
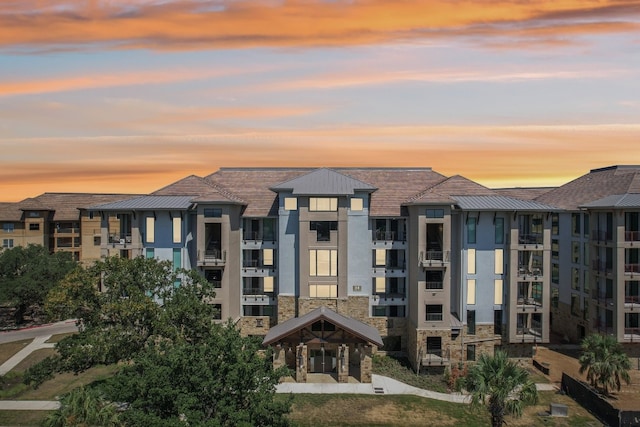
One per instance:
(331, 265)
(57, 221)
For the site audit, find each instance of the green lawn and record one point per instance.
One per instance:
(9, 349)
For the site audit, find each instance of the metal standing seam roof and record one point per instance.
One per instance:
(323, 182)
(147, 203)
(362, 330)
(615, 201)
(500, 203)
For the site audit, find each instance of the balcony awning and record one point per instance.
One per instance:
(455, 322)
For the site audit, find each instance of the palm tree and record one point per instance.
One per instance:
(605, 362)
(501, 384)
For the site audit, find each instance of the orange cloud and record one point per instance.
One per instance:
(240, 24)
(492, 155)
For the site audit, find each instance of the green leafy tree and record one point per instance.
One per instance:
(28, 273)
(122, 305)
(501, 385)
(605, 362)
(221, 381)
(84, 406)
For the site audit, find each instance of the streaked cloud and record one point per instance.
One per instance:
(191, 24)
(492, 155)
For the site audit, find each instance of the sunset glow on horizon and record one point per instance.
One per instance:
(128, 96)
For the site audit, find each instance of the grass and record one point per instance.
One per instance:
(7, 350)
(58, 337)
(23, 418)
(35, 357)
(390, 411)
(399, 369)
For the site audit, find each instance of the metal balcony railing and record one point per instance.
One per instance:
(632, 334)
(601, 236)
(526, 271)
(435, 357)
(632, 236)
(632, 268)
(632, 299)
(601, 266)
(536, 332)
(67, 230)
(523, 300)
(120, 238)
(530, 239)
(434, 285)
(256, 291)
(434, 317)
(391, 294)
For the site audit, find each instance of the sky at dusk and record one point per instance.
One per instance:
(128, 96)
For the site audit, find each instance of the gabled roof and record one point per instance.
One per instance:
(524, 193)
(148, 203)
(323, 182)
(355, 327)
(499, 203)
(596, 185)
(201, 189)
(67, 206)
(616, 201)
(442, 192)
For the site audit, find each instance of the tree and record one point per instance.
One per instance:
(140, 302)
(84, 406)
(28, 273)
(605, 362)
(221, 381)
(500, 384)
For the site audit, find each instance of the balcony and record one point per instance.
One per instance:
(391, 294)
(530, 239)
(525, 272)
(528, 301)
(632, 334)
(632, 269)
(120, 239)
(387, 236)
(632, 236)
(529, 334)
(434, 258)
(436, 358)
(212, 257)
(67, 230)
(601, 267)
(435, 285)
(255, 263)
(601, 236)
(257, 236)
(632, 299)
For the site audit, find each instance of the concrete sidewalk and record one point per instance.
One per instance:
(36, 344)
(29, 405)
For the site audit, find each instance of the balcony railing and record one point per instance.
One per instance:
(121, 238)
(67, 230)
(437, 258)
(522, 300)
(526, 271)
(601, 266)
(391, 294)
(601, 236)
(434, 285)
(255, 291)
(632, 299)
(632, 334)
(530, 239)
(434, 317)
(535, 332)
(213, 256)
(632, 236)
(632, 268)
(257, 236)
(435, 357)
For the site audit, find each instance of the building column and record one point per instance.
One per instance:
(343, 364)
(279, 355)
(301, 363)
(365, 364)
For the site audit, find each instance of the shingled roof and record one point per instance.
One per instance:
(444, 191)
(66, 206)
(201, 190)
(10, 212)
(597, 184)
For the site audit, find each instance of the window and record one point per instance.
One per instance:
(499, 226)
(7, 243)
(471, 352)
(323, 229)
(323, 291)
(585, 281)
(471, 230)
(380, 284)
(435, 279)
(435, 213)
(585, 226)
(586, 255)
(497, 322)
(33, 214)
(267, 257)
(214, 277)
(575, 305)
(8, 227)
(555, 296)
(212, 213)
(433, 313)
(555, 221)
(356, 204)
(97, 240)
(381, 257)
(471, 291)
(555, 273)
(396, 311)
(267, 283)
(150, 253)
(379, 311)
(217, 315)
(575, 279)
(471, 322)
(34, 226)
(497, 291)
(323, 204)
(585, 312)
(323, 262)
(151, 229)
(471, 261)
(575, 252)
(290, 204)
(555, 249)
(575, 224)
(177, 230)
(499, 261)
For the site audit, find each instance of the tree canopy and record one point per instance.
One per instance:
(605, 362)
(500, 384)
(28, 273)
(178, 364)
